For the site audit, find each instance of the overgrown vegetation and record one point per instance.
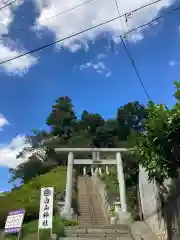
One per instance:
(158, 146)
(112, 187)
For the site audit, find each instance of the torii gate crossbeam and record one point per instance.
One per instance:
(95, 160)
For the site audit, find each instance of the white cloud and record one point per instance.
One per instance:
(108, 74)
(99, 67)
(91, 14)
(18, 66)
(3, 122)
(9, 49)
(173, 63)
(9, 152)
(101, 56)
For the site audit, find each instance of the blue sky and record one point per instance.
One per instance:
(93, 69)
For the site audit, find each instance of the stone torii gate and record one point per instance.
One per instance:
(95, 160)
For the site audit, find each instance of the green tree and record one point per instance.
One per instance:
(130, 117)
(106, 135)
(68, 131)
(91, 121)
(158, 147)
(62, 117)
(30, 169)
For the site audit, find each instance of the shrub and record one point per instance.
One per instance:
(29, 230)
(70, 222)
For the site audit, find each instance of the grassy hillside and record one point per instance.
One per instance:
(28, 195)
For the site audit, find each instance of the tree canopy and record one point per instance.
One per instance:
(152, 131)
(66, 130)
(158, 146)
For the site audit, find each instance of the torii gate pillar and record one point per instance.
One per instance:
(71, 161)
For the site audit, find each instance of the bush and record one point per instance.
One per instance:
(70, 222)
(32, 228)
(28, 195)
(29, 230)
(112, 188)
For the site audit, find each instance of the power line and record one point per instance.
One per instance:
(59, 40)
(79, 5)
(63, 39)
(132, 60)
(150, 22)
(8, 4)
(75, 34)
(4, 2)
(58, 14)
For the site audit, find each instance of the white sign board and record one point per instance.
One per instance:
(14, 221)
(46, 208)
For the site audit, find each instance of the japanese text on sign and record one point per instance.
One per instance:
(46, 208)
(14, 221)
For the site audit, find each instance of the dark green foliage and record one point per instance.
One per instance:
(62, 117)
(158, 147)
(28, 170)
(91, 130)
(130, 117)
(131, 177)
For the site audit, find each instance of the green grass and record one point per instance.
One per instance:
(29, 230)
(28, 195)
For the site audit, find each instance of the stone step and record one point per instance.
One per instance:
(93, 223)
(96, 238)
(88, 213)
(106, 226)
(90, 220)
(96, 235)
(83, 213)
(89, 206)
(98, 231)
(89, 216)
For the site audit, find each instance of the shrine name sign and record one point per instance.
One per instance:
(46, 208)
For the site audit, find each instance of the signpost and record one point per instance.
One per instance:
(14, 222)
(46, 209)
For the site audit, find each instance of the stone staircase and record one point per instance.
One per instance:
(93, 224)
(108, 232)
(89, 206)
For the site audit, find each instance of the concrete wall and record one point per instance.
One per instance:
(150, 204)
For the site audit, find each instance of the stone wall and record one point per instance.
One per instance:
(161, 212)
(150, 204)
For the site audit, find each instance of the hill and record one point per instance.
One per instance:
(27, 196)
